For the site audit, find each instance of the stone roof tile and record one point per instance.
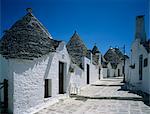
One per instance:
(27, 39)
(76, 49)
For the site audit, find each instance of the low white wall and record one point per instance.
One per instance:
(112, 72)
(120, 67)
(104, 73)
(77, 78)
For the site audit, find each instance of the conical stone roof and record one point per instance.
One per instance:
(95, 50)
(27, 39)
(114, 56)
(96, 56)
(76, 49)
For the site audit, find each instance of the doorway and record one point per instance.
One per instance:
(48, 86)
(108, 73)
(61, 78)
(140, 67)
(4, 96)
(99, 73)
(118, 72)
(88, 74)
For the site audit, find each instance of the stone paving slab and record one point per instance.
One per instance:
(89, 105)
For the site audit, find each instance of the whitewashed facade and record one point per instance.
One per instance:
(140, 82)
(139, 70)
(26, 79)
(38, 68)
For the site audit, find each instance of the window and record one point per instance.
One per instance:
(145, 62)
(47, 86)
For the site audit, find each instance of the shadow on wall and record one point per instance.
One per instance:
(78, 72)
(48, 66)
(25, 65)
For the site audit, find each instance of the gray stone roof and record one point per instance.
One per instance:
(95, 50)
(103, 62)
(114, 56)
(76, 49)
(96, 55)
(27, 39)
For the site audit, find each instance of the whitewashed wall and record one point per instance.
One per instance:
(5, 74)
(26, 79)
(143, 84)
(146, 78)
(119, 66)
(79, 76)
(94, 76)
(127, 70)
(110, 71)
(104, 73)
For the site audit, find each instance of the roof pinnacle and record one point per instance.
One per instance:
(29, 10)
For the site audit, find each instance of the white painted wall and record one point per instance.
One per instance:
(79, 77)
(127, 70)
(119, 66)
(94, 70)
(137, 50)
(110, 71)
(26, 79)
(6, 74)
(146, 77)
(104, 73)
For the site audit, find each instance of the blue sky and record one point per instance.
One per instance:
(104, 22)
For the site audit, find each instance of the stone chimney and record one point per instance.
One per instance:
(140, 29)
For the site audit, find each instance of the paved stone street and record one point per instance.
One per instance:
(103, 97)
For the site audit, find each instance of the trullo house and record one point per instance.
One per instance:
(34, 64)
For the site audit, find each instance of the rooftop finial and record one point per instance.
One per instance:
(94, 44)
(75, 31)
(110, 47)
(29, 10)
